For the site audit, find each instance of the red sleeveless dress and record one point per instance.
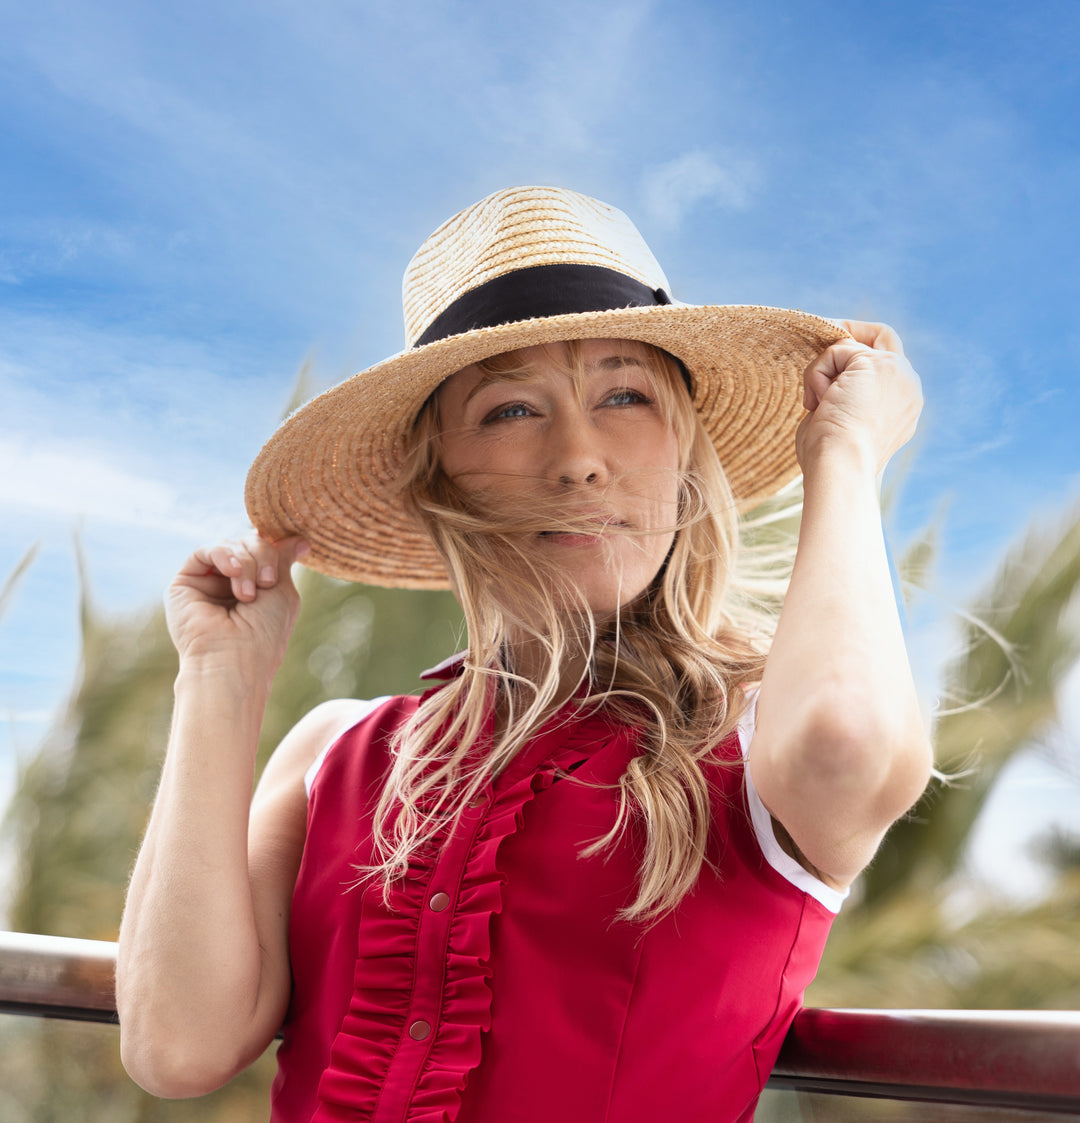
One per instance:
(500, 988)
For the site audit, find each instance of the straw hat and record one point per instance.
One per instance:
(524, 266)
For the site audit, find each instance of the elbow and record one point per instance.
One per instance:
(179, 1040)
(838, 778)
(167, 1067)
(172, 1058)
(884, 756)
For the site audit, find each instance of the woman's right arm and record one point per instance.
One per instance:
(202, 972)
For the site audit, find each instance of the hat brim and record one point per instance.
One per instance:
(330, 471)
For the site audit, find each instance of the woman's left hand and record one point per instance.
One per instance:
(861, 391)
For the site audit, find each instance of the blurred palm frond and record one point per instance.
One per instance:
(15, 576)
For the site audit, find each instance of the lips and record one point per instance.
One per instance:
(583, 522)
(582, 535)
(586, 530)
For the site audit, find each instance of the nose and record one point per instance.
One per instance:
(577, 455)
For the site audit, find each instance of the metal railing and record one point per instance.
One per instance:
(57, 977)
(988, 1058)
(1000, 1059)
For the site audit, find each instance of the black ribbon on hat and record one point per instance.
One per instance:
(541, 291)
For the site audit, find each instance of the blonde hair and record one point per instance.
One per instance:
(672, 662)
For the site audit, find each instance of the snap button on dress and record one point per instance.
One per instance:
(439, 901)
(419, 1029)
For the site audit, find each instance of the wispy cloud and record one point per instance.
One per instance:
(61, 244)
(581, 83)
(28, 717)
(82, 483)
(108, 428)
(672, 190)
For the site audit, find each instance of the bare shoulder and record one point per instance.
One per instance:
(278, 829)
(279, 809)
(305, 741)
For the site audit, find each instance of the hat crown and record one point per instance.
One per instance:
(515, 229)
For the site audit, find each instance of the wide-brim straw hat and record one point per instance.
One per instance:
(525, 266)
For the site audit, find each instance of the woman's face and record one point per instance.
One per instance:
(596, 451)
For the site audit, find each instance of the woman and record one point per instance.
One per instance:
(590, 872)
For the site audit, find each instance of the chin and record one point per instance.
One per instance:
(606, 604)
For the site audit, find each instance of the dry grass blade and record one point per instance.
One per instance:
(15, 576)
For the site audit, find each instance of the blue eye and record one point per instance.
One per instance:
(627, 397)
(508, 412)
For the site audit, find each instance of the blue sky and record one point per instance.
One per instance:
(199, 197)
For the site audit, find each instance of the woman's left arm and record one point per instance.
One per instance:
(840, 750)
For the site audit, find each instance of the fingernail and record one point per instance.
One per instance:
(247, 588)
(302, 549)
(267, 575)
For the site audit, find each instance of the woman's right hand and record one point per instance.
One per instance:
(236, 600)
(203, 966)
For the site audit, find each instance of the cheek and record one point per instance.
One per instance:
(484, 467)
(455, 452)
(659, 445)
(494, 481)
(666, 473)
(463, 458)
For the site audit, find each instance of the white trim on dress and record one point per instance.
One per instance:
(784, 864)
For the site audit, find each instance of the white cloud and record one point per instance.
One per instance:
(82, 483)
(8, 274)
(582, 83)
(106, 427)
(59, 244)
(673, 189)
(28, 717)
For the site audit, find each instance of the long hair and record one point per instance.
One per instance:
(672, 662)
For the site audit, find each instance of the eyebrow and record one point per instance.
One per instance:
(608, 363)
(491, 377)
(616, 362)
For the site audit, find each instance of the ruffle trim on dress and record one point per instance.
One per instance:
(366, 1079)
(466, 1012)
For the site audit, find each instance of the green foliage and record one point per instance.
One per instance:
(916, 564)
(80, 804)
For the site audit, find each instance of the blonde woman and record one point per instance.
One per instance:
(588, 874)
